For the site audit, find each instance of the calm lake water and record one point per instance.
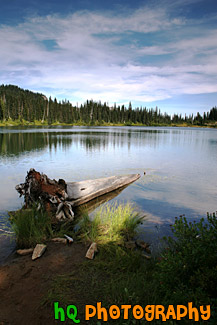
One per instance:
(180, 166)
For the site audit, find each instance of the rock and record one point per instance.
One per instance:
(38, 251)
(25, 251)
(68, 239)
(91, 251)
(59, 240)
(130, 244)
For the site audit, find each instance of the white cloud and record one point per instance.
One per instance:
(108, 66)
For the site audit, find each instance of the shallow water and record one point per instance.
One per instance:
(180, 166)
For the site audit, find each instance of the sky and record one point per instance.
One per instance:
(150, 52)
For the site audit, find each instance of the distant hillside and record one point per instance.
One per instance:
(22, 106)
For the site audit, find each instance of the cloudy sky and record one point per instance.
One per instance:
(150, 52)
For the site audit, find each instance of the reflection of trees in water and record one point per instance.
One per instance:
(16, 143)
(101, 140)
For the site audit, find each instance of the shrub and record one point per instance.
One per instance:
(187, 270)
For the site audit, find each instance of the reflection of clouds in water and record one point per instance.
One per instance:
(9, 198)
(178, 197)
(187, 190)
(157, 220)
(191, 196)
(153, 178)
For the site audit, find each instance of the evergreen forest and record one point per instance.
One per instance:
(23, 106)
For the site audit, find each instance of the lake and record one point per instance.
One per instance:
(180, 166)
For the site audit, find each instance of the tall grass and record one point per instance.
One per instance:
(31, 227)
(111, 224)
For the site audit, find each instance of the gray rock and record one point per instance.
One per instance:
(38, 251)
(91, 251)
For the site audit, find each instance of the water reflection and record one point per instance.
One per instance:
(17, 143)
(180, 164)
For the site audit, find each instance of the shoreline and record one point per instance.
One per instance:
(117, 275)
(16, 123)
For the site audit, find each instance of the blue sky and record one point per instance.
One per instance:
(150, 52)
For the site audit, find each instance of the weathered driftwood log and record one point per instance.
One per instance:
(39, 190)
(59, 197)
(92, 205)
(84, 191)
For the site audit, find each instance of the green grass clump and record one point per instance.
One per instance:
(111, 224)
(31, 227)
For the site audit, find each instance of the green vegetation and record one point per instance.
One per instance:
(23, 107)
(31, 226)
(188, 268)
(184, 272)
(112, 224)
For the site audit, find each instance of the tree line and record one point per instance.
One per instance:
(24, 105)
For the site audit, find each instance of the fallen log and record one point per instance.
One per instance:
(59, 197)
(92, 205)
(84, 191)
